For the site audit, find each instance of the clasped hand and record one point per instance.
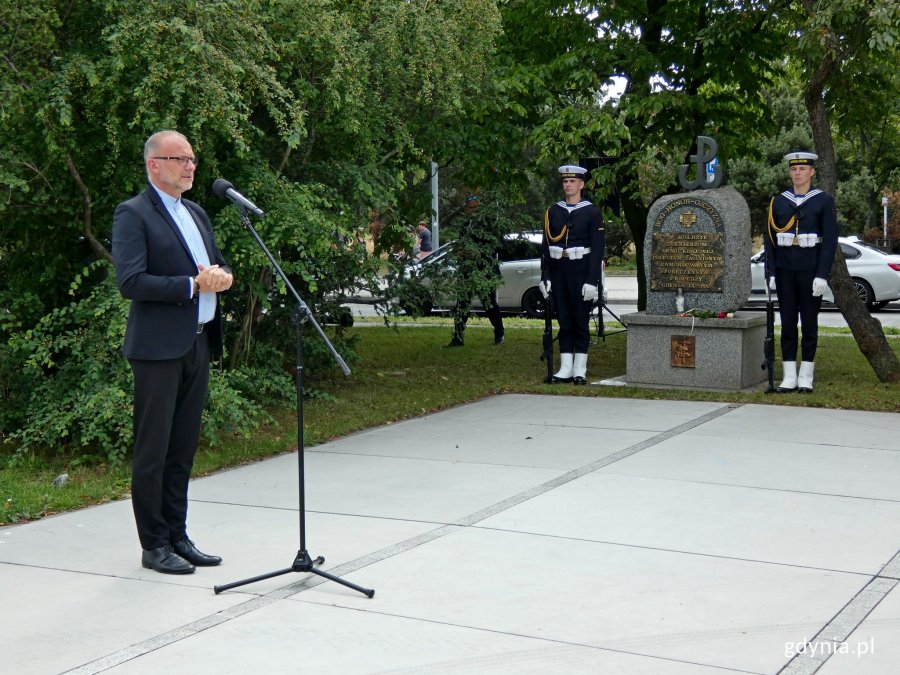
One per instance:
(213, 279)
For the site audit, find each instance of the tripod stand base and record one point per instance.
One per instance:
(602, 333)
(302, 563)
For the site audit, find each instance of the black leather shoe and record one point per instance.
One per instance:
(578, 379)
(785, 390)
(164, 559)
(498, 339)
(454, 343)
(560, 380)
(186, 549)
(805, 390)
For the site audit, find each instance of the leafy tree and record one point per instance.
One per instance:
(320, 130)
(865, 34)
(682, 77)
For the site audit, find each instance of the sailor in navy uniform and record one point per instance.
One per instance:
(800, 243)
(571, 266)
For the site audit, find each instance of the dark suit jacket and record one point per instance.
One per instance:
(153, 267)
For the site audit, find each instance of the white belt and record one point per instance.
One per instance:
(573, 253)
(801, 240)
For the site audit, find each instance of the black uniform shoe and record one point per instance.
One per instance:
(805, 390)
(785, 390)
(164, 559)
(186, 549)
(560, 380)
(454, 343)
(578, 379)
(498, 339)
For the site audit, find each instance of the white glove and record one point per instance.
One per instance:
(576, 253)
(771, 283)
(545, 288)
(589, 293)
(807, 240)
(555, 252)
(819, 286)
(785, 238)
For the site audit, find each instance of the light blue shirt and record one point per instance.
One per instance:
(206, 306)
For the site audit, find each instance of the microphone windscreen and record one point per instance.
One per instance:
(220, 187)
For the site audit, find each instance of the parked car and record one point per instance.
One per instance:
(875, 274)
(520, 269)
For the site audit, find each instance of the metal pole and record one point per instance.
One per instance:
(884, 203)
(435, 221)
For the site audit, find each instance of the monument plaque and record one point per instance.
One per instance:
(691, 262)
(684, 350)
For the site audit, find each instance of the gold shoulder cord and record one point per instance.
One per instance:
(550, 237)
(773, 226)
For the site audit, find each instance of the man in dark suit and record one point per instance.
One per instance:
(167, 263)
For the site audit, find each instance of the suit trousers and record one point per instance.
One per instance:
(169, 396)
(573, 314)
(795, 298)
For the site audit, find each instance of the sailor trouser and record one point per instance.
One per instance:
(572, 313)
(795, 299)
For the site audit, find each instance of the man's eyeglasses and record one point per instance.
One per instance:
(182, 161)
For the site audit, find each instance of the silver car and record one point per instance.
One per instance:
(520, 269)
(875, 274)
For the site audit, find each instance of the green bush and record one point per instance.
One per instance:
(67, 388)
(78, 382)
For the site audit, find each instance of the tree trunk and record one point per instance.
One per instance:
(636, 216)
(867, 331)
(240, 348)
(98, 248)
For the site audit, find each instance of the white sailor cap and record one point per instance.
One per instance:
(801, 158)
(572, 171)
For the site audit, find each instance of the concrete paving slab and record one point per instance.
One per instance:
(251, 541)
(714, 611)
(385, 487)
(300, 636)
(815, 426)
(788, 528)
(476, 442)
(53, 620)
(776, 465)
(565, 411)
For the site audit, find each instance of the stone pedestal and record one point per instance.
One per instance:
(714, 354)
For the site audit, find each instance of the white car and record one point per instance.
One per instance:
(875, 274)
(520, 269)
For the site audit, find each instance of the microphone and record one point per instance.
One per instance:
(222, 188)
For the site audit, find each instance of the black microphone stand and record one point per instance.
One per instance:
(303, 562)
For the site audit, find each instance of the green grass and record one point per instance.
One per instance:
(404, 373)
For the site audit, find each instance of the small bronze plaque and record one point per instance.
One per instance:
(684, 351)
